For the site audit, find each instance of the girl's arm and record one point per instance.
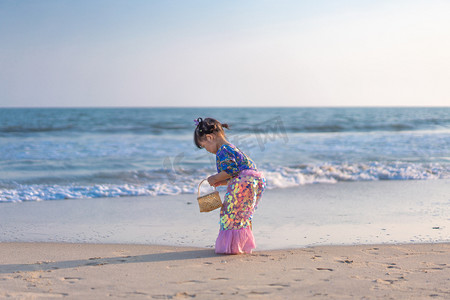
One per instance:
(219, 178)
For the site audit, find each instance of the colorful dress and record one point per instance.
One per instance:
(243, 194)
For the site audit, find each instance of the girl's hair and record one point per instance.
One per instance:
(207, 126)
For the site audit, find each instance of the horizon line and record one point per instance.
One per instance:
(221, 107)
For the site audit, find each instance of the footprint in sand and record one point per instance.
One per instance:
(262, 254)
(280, 285)
(385, 281)
(136, 293)
(189, 282)
(427, 270)
(344, 261)
(393, 266)
(373, 251)
(184, 295)
(177, 295)
(71, 279)
(161, 296)
(259, 293)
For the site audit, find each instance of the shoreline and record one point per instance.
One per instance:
(348, 213)
(93, 271)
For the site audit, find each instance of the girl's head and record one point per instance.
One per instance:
(207, 132)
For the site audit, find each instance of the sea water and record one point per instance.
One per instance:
(70, 153)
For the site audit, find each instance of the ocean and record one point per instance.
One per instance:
(72, 153)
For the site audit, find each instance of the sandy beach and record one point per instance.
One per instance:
(92, 271)
(363, 240)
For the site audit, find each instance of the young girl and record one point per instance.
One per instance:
(245, 186)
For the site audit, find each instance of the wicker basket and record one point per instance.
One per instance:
(209, 201)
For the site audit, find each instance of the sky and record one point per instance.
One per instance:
(102, 53)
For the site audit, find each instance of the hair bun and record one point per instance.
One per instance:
(198, 121)
(207, 126)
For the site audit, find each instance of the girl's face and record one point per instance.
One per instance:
(209, 143)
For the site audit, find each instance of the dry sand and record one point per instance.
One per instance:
(105, 271)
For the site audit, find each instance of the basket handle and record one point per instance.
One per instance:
(198, 190)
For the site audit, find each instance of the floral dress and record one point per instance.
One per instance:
(242, 197)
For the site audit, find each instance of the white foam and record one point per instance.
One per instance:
(278, 177)
(331, 173)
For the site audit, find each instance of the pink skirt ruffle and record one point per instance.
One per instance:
(235, 241)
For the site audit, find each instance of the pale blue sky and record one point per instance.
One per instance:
(224, 53)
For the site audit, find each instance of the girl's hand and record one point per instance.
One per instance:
(212, 180)
(218, 179)
(222, 182)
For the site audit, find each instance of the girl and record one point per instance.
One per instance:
(245, 186)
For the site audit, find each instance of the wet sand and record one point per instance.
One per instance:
(347, 213)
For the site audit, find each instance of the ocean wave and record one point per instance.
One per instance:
(34, 129)
(332, 173)
(184, 181)
(153, 121)
(56, 192)
(161, 129)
